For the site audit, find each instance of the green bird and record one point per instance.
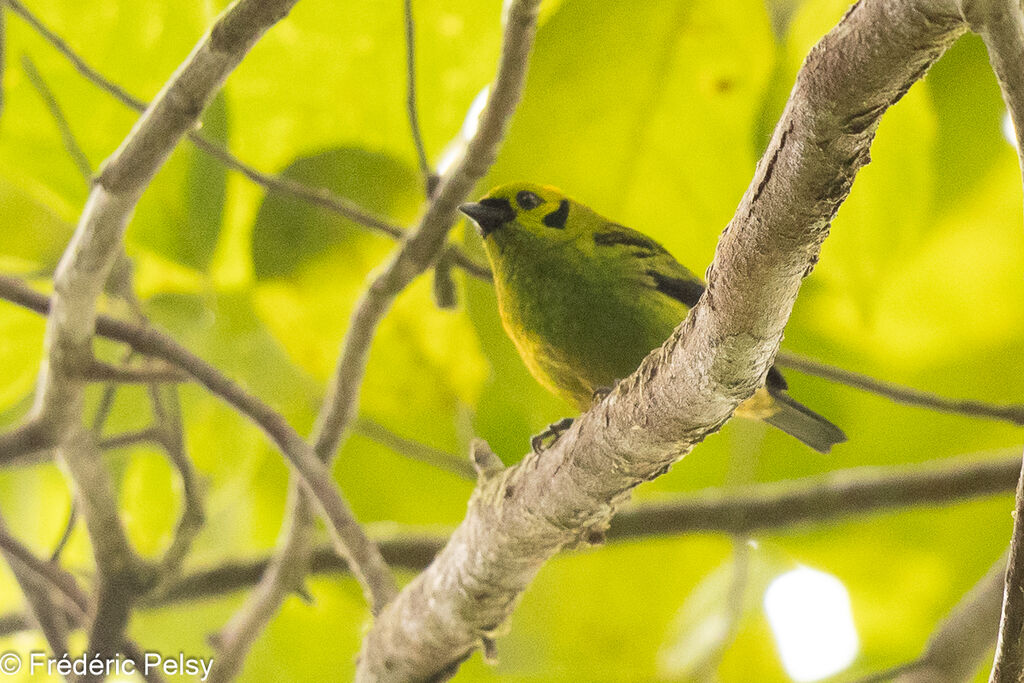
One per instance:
(585, 299)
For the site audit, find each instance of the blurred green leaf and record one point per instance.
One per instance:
(21, 349)
(288, 232)
(34, 236)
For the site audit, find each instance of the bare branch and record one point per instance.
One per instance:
(26, 439)
(80, 64)
(819, 499)
(128, 439)
(172, 438)
(98, 371)
(45, 611)
(689, 387)
(120, 575)
(1009, 659)
(70, 142)
(54, 575)
(1011, 413)
(429, 178)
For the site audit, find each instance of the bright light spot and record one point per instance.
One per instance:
(472, 122)
(1009, 132)
(457, 147)
(449, 156)
(809, 612)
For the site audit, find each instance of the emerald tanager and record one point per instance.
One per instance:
(585, 299)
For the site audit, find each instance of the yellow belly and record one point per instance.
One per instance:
(758, 407)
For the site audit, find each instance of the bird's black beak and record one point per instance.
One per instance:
(489, 214)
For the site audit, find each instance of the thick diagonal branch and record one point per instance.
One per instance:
(687, 389)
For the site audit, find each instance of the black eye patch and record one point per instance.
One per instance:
(528, 200)
(557, 218)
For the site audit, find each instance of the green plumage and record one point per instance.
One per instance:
(585, 299)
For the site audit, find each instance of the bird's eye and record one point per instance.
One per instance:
(528, 200)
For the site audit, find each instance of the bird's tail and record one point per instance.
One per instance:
(801, 422)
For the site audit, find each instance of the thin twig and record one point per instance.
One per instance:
(190, 522)
(75, 604)
(132, 438)
(106, 403)
(98, 371)
(121, 576)
(316, 196)
(820, 499)
(80, 64)
(429, 179)
(46, 612)
(54, 575)
(29, 437)
(65, 536)
(414, 450)
(3, 54)
(67, 136)
(1008, 666)
(1012, 413)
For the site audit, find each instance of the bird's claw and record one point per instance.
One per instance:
(541, 442)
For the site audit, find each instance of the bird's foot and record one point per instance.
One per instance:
(541, 442)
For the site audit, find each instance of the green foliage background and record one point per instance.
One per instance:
(655, 114)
